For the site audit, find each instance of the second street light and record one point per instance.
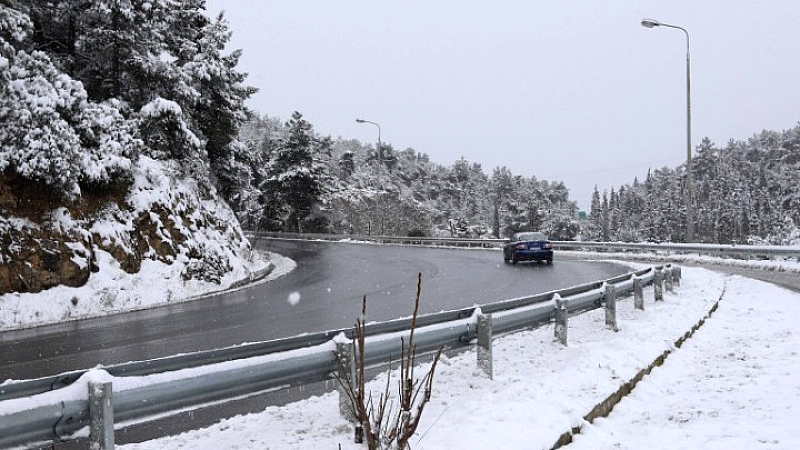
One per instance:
(380, 163)
(650, 23)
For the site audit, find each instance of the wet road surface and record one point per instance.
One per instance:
(328, 284)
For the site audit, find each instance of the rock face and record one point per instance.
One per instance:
(46, 243)
(35, 259)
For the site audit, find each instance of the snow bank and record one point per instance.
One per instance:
(193, 245)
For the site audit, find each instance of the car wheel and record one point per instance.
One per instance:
(514, 259)
(550, 261)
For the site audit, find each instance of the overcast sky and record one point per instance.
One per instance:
(576, 91)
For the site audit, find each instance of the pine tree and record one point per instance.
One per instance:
(605, 220)
(595, 217)
(51, 132)
(293, 177)
(219, 110)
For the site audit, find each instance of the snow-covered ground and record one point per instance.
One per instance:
(112, 290)
(777, 265)
(734, 384)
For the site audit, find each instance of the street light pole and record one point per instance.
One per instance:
(380, 163)
(650, 23)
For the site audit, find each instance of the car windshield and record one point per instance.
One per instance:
(534, 236)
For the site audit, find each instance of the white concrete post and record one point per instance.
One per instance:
(562, 319)
(485, 344)
(611, 306)
(658, 285)
(101, 416)
(668, 281)
(638, 293)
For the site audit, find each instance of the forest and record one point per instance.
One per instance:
(362, 189)
(743, 193)
(89, 87)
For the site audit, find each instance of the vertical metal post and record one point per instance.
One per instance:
(485, 344)
(638, 293)
(562, 319)
(101, 416)
(668, 282)
(650, 23)
(658, 285)
(689, 199)
(611, 306)
(344, 351)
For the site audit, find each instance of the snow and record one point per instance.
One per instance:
(733, 384)
(161, 106)
(294, 298)
(112, 290)
(778, 265)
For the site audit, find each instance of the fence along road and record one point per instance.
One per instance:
(55, 416)
(722, 250)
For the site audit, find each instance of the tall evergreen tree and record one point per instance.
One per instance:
(293, 177)
(219, 111)
(595, 217)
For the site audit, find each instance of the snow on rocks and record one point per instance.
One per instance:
(167, 240)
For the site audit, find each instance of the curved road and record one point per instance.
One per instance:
(330, 280)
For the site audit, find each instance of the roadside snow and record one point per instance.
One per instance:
(778, 265)
(112, 290)
(733, 385)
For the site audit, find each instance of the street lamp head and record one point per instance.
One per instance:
(650, 23)
(360, 120)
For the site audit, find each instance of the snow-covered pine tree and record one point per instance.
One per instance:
(219, 110)
(293, 176)
(595, 222)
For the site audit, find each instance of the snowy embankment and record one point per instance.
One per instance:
(113, 291)
(777, 265)
(169, 240)
(733, 384)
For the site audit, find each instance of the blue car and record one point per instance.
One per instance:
(528, 246)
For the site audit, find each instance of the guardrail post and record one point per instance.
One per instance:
(101, 416)
(676, 271)
(344, 351)
(638, 293)
(668, 282)
(658, 285)
(562, 319)
(611, 306)
(485, 344)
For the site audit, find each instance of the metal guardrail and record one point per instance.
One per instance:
(202, 358)
(273, 364)
(747, 251)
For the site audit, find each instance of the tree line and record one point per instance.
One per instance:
(87, 87)
(313, 183)
(745, 192)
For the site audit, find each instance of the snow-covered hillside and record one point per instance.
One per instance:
(166, 239)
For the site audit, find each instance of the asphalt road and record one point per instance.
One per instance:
(329, 282)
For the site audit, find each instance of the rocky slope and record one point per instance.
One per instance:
(160, 215)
